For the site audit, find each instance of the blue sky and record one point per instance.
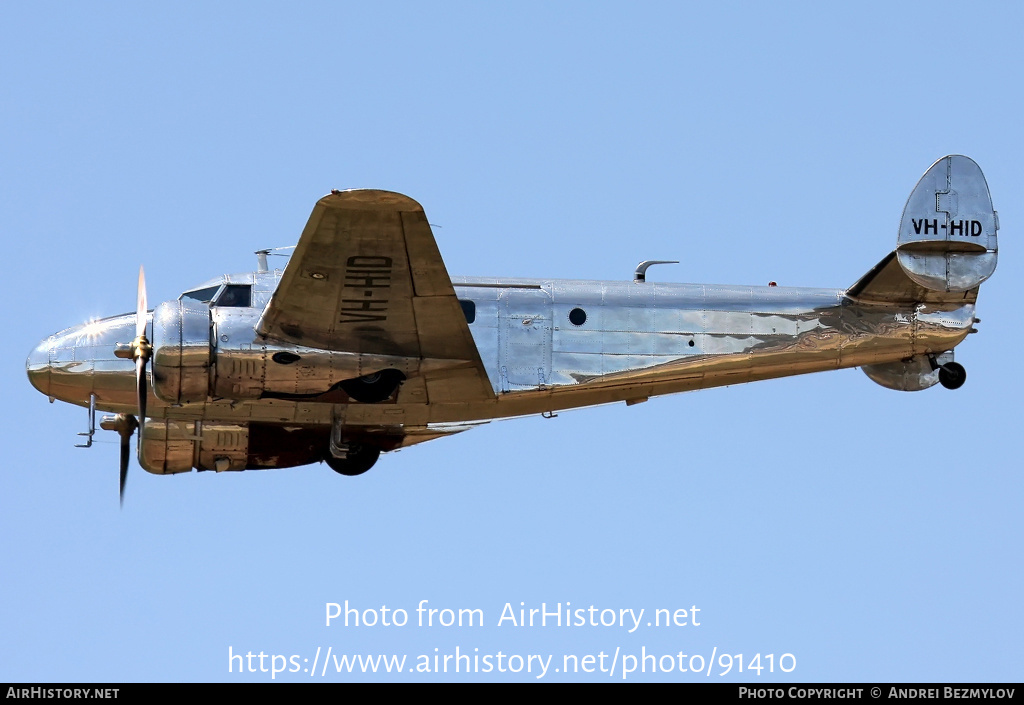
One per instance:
(873, 535)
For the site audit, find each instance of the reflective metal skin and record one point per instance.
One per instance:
(363, 344)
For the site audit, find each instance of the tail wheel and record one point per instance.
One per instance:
(952, 375)
(360, 458)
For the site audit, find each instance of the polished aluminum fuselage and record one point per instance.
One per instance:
(364, 344)
(639, 339)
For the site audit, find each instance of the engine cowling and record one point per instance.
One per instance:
(182, 352)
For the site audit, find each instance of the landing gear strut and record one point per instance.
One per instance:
(952, 375)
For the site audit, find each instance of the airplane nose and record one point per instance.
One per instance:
(79, 362)
(38, 367)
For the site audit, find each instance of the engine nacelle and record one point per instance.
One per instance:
(198, 354)
(182, 353)
(167, 446)
(248, 367)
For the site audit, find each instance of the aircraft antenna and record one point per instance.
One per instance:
(261, 256)
(641, 269)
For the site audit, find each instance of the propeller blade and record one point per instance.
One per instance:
(125, 457)
(125, 425)
(143, 350)
(141, 386)
(141, 307)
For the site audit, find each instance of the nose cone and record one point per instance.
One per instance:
(38, 367)
(79, 361)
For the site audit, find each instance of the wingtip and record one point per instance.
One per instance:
(369, 199)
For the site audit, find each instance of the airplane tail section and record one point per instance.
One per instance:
(947, 244)
(946, 248)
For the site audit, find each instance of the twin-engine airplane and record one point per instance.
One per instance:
(363, 344)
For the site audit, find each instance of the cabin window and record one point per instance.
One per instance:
(204, 295)
(236, 296)
(577, 316)
(469, 309)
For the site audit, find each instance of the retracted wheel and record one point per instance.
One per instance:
(952, 375)
(359, 459)
(375, 388)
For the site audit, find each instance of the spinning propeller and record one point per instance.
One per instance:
(140, 350)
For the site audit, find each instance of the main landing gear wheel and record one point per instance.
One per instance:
(952, 375)
(360, 458)
(375, 388)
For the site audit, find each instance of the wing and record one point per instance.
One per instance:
(367, 277)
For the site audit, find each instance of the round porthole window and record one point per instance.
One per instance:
(285, 358)
(577, 316)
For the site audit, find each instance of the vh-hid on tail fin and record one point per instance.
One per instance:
(947, 239)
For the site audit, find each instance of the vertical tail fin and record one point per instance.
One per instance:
(947, 239)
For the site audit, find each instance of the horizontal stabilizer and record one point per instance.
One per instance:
(889, 283)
